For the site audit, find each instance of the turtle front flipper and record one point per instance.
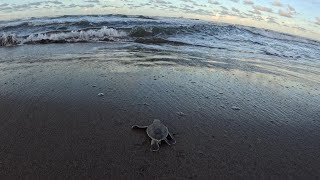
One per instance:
(169, 139)
(139, 127)
(154, 145)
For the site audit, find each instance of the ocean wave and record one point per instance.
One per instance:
(9, 40)
(157, 31)
(103, 34)
(159, 41)
(74, 20)
(37, 24)
(162, 30)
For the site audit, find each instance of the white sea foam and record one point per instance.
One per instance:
(73, 36)
(9, 40)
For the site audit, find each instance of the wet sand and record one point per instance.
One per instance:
(233, 123)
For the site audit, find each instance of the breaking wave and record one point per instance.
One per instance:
(156, 31)
(103, 34)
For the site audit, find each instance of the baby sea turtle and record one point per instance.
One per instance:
(157, 132)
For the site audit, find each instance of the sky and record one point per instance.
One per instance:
(299, 17)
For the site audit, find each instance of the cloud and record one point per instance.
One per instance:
(289, 12)
(202, 12)
(20, 7)
(3, 5)
(6, 9)
(72, 6)
(257, 18)
(187, 6)
(196, 4)
(277, 3)
(299, 28)
(255, 12)
(161, 2)
(224, 8)
(54, 2)
(224, 13)
(291, 8)
(248, 2)
(317, 20)
(86, 6)
(31, 5)
(235, 1)
(213, 2)
(92, 1)
(235, 10)
(272, 20)
(262, 8)
(247, 15)
(188, 1)
(35, 3)
(285, 13)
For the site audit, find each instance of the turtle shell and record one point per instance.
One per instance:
(157, 131)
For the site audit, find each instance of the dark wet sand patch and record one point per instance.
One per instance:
(226, 123)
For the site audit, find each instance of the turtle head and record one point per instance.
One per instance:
(156, 121)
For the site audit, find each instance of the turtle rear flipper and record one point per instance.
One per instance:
(139, 127)
(154, 145)
(170, 140)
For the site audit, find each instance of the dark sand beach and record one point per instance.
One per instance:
(236, 121)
